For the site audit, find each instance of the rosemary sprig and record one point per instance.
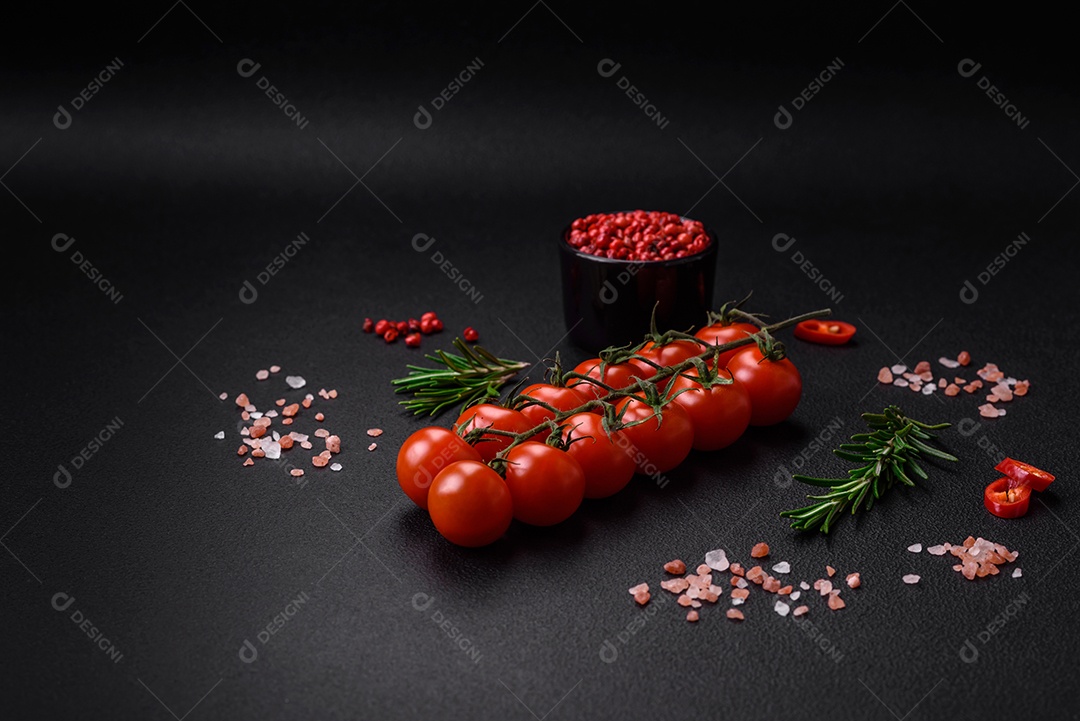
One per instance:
(474, 375)
(886, 455)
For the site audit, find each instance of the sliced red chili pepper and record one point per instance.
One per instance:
(1005, 502)
(825, 332)
(1022, 474)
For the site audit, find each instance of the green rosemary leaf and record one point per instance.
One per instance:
(888, 456)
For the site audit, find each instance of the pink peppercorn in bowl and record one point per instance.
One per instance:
(617, 266)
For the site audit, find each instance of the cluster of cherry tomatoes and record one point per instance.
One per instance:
(472, 504)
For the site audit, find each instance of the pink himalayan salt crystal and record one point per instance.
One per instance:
(675, 585)
(692, 616)
(275, 369)
(306, 445)
(835, 602)
(915, 548)
(677, 567)
(374, 432)
(242, 400)
(642, 598)
(885, 376)
(801, 610)
(262, 375)
(333, 444)
(223, 396)
(952, 390)
(322, 433)
(735, 614)
(703, 569)
(936, 550)
(684, 601)
(853, 580)
(830, 570)
(634, 590)
(249, 462)
(717, 560)
(297, 472)
(318, 461)
(911, 578)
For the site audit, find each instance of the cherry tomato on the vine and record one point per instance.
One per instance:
(424, 454)
(546, 484)
(607, 460)
(660, 443)
(720, 413)
(616, 375)
(565, 399)
(671, 354)
(488, 415)
(470, 504)
(719, 334)
(775, 387)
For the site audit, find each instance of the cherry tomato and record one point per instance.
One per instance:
(660, 446)
(470, 504)
(825, 332)
(718, 334)
(607, 460)
(488, 415)
(1022, 474)
(670, 354)
(546, 484)
(616, 375)
(775, 387)
(720, 414)
(1005, 502)
(565, 399)
(424, 454)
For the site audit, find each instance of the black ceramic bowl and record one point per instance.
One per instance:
(608, 302)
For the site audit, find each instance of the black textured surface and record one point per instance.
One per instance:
(180, 181)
